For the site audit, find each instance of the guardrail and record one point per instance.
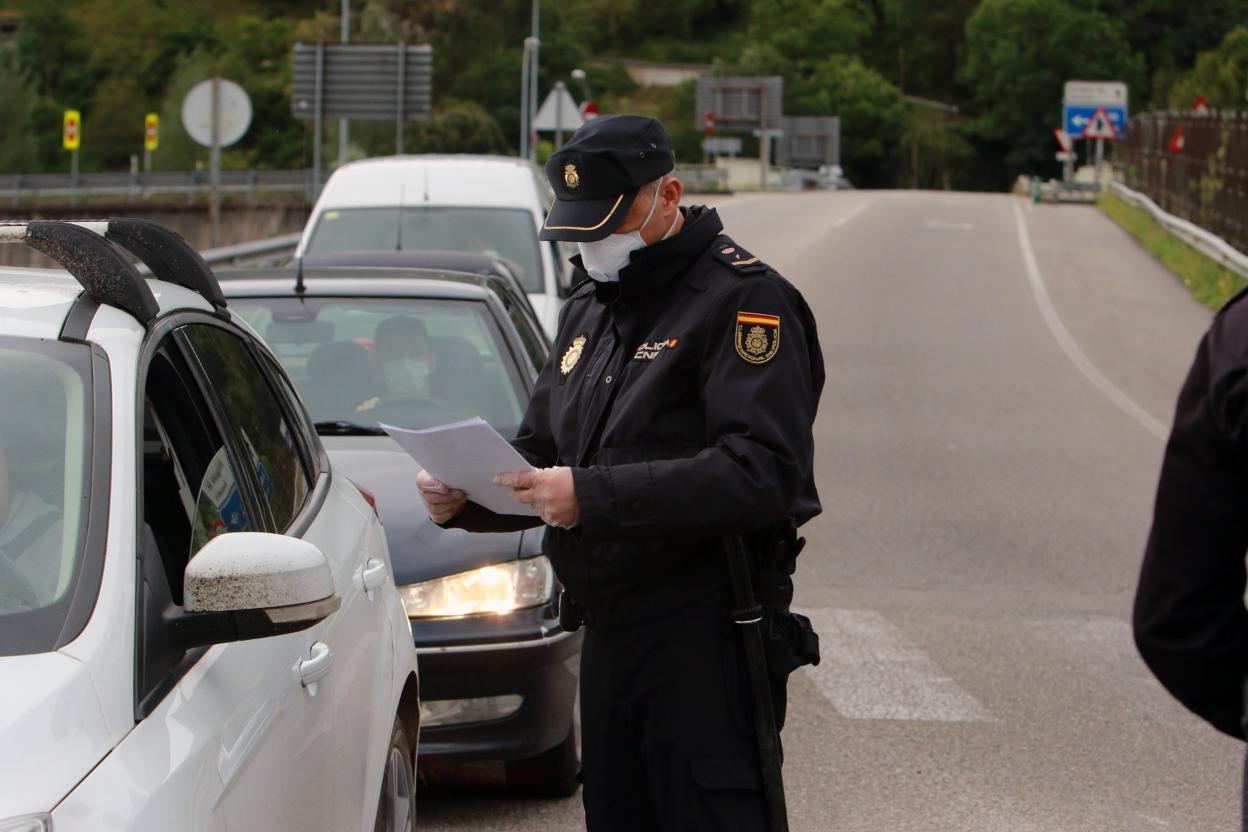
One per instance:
(276, 250)
(137, 185)
(702, 179)
(1198, 238)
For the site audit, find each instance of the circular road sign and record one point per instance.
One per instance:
(234, 110)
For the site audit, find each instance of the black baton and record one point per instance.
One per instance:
(749, 615)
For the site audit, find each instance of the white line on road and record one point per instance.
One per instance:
(1068, 343)
(870, 670)
(850, 216)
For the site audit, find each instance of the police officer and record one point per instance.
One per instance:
(676, 408)
(1190, 623)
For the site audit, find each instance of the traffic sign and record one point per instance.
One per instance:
(1063, 140)
(1200, 107)
(1095, 94)
(233, 112)
(1075, 119)
(71, 133)
(708, 124)
(589, 110)
(1178, 142)
(1100, 126)
(151, 131)
(558, 111)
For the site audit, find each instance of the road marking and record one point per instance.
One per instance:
(1070, 346)
(870, 670)
(848, 217)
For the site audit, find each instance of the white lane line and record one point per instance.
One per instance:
(845, 220)
(870, 670)
(1070, 346)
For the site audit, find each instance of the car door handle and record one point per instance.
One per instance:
(316, 667)
(373, 574)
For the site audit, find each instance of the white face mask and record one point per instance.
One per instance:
(604, 258)
(406, 376)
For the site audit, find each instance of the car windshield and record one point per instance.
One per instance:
(45, 421)
(504, 233)
(412, 363)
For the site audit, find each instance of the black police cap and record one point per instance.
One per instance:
(597, 173)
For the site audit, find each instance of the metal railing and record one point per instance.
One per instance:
(1198, 238)
(1194, 167)
(17, 188)
(271, 251)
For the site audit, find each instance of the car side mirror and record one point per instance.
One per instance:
(249, 585)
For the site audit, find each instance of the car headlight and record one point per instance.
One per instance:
(491, 589)
(27, 823)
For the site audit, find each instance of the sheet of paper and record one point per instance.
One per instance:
(466, 455)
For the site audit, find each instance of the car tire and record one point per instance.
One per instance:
(396, 805)
(552, 773)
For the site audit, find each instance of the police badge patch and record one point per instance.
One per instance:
(573, 354)
(758, 336)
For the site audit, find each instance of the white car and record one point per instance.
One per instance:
(199, 628)
(492, 205)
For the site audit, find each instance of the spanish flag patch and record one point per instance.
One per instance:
(758, 336)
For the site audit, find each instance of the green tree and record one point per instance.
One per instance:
(1220, 75)
(1019, 53)
(458, 127)
(19, 152)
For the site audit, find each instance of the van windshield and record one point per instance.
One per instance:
(505, 233)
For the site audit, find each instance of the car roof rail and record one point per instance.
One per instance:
(89, 251)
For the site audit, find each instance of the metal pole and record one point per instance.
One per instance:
(344, 128)
(559, 88)
(317, 125)
(400, 117)
(73, 176)
(533, 73)
(763, 154)
(214, 172)
(524, 101)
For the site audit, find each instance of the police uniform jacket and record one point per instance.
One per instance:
(1190, 624)
(683, 399)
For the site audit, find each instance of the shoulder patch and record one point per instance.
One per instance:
(735, 257)
(757, 336)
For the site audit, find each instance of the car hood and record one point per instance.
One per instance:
(419, 548)
(52, 731)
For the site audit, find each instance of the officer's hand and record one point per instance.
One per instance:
(549, 490)
(442, 501)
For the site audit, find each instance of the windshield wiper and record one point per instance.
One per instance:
(341, 427)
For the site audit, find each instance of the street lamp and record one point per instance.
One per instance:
(579, 74)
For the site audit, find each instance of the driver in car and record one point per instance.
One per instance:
(30, 538)
(402, 345)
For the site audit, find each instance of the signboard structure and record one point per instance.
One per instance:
(558, 112)
(1095, 110)
(809, 141)
(743, 102)
(1200, 107)
(216, 113)
(361, 82)
(151, 139)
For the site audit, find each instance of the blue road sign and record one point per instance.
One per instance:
(1076, 119)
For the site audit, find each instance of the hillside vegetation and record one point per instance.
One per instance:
(1000, 62)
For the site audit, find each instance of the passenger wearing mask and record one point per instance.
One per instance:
(402, 345)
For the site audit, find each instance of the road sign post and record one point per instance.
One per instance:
(559, 112)
(744, 103)
(151, 139)
(216, 113)
(71, 140)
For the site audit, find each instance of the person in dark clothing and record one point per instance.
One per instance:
(676, 408)
(1190, 624)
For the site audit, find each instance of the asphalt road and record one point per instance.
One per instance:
(1000, 382)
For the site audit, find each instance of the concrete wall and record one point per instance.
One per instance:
(239, 223)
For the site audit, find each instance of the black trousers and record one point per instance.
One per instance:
(667, 726)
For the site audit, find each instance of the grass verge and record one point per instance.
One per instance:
(1209, 282)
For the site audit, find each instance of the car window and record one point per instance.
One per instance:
(504, 233)
(409, 362)
(191, 489)
(45, 448)
(528, 330)
(254, 412)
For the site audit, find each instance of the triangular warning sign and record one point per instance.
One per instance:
(1200, 107)
(1178, 142)
(1100, 127)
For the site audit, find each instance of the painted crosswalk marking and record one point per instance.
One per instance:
(870, 670)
